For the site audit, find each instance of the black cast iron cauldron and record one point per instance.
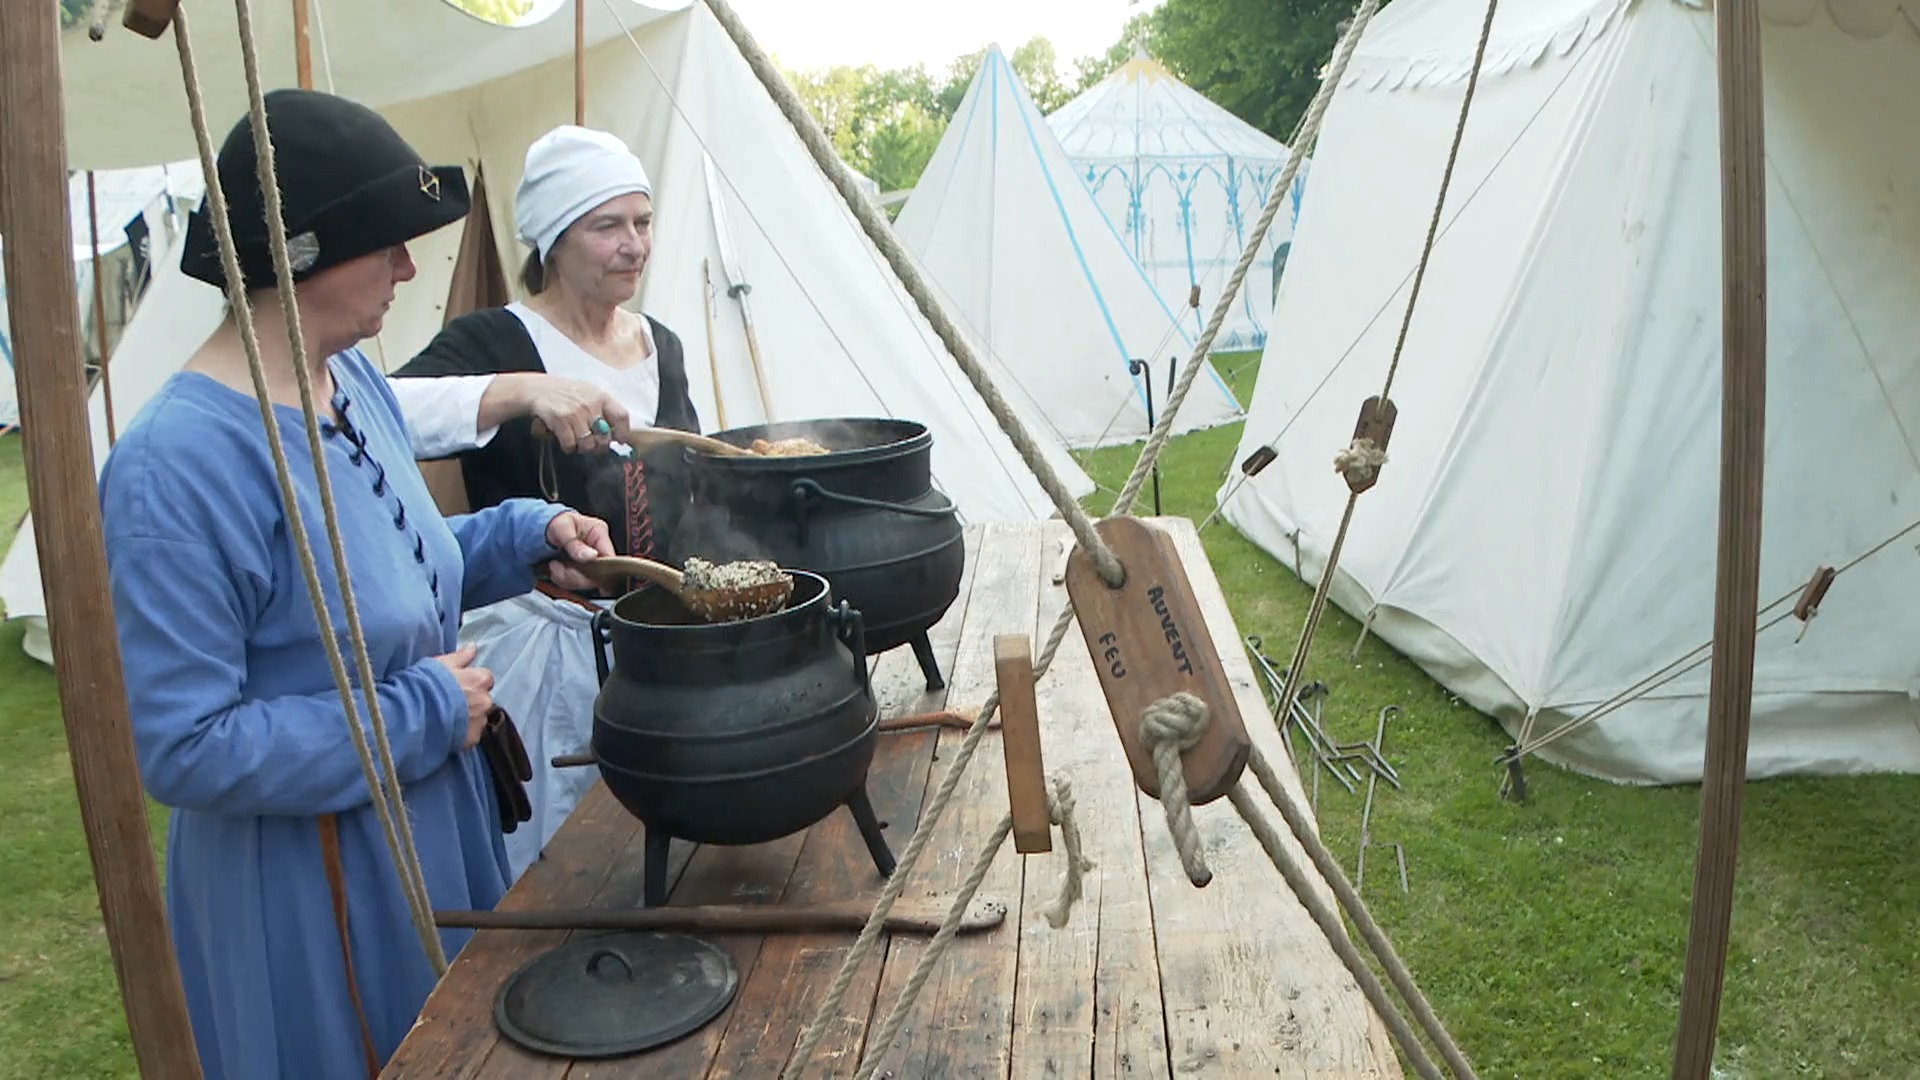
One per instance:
(865, 516)
(735, 733)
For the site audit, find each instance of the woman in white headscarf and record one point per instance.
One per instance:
(574, 358)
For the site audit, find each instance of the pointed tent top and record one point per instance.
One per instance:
(1004, 227)
(1143, 99)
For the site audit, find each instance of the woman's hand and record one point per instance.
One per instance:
(582, 417)
(581, 539)
(477, 684)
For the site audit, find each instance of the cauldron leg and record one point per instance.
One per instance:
(869, 823)
(659, 853)
(929, 666)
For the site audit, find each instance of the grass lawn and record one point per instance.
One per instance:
(1549, 936)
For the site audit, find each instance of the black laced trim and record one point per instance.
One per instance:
(364, 461)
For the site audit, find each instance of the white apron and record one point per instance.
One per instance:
(540, 651)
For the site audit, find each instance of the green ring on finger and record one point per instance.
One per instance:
(601, 427)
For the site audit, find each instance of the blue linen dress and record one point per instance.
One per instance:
(239, 727)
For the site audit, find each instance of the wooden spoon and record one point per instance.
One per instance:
(649, 438)
(711, 604)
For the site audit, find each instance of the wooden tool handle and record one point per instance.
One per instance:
(847, 915)
(648, 438)
(613, 568)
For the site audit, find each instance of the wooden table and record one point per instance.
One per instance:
(1151, 977)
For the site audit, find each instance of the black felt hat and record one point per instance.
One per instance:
(349, 186)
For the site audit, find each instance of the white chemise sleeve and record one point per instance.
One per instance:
(443, 413)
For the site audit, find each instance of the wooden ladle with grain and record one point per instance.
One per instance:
(715, 592)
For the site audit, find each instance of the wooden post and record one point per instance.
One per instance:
(302, 46)
(66, 521)
(580, 62)
(100, 307)
(1743, 366)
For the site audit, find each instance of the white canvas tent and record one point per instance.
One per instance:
(1543, 535)
(1000, 223)
(1184, 181)
(157, 194)
(837, 333)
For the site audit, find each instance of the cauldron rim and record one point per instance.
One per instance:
(915, 437)
(822, 598)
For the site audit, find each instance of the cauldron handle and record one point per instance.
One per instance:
(851, 629)
(804, 492)
(601, 639)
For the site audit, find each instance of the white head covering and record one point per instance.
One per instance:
(569, 171)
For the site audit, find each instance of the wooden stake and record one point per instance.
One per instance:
(100, 306)
(66, 521)
(1020, 744)
(1743, 365)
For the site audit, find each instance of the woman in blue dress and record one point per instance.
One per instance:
(237, 721)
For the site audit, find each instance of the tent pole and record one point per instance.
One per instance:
(66, 522)
(302, 46)
(1743, 202)
(580, 63)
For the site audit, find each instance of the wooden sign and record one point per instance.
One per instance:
(1020, 742)
(1149, 641)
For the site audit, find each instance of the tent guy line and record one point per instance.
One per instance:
(1235, 484)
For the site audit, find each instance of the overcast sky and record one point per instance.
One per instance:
(898, 33)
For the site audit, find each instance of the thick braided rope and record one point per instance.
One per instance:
(903, 266)
(824, 1016)
(410, 866)
(1171, 727)
(1060, 808)
(243, 316)
(1303, 831)
(1308, 133)
(830, 1005)
(303, 377)
(1335, 933)
(1178, 723)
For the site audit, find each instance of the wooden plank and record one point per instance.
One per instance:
(1087, 996)
(455, 1034)
(1149, 637)
(1020, 743)
(960, 1025)
(1251, 987)
(796, 971)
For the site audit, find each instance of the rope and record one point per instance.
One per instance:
(1698, 655)
(393, 825)
(1060, 808)
(1303, 829)
(825, 1015)
(829, 1007)
(882, 236)
(1240, 481)
(1346, 459)
(1282, 190)
(1170, 728)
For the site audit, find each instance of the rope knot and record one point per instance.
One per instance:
(1170, 727)
(1060, 809)
(1359, 460)
(1179, 721)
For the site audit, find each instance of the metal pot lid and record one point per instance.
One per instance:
(614, 994)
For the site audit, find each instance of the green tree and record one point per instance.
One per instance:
(502, 12)
(1259, 59)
